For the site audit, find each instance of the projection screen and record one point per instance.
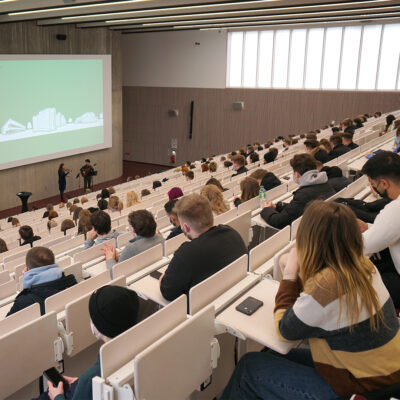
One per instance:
(53, 106)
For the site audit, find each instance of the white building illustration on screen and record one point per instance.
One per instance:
(48, 121)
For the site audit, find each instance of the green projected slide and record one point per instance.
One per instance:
(50, 108)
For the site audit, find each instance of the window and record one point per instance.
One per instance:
(333, 45)
(250, 59)
(355, 57)
(265, 58)
(350, 51)
(235, 62)
(281, 58)
(297, 57)
(314, 58)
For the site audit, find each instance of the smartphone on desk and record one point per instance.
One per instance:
(249, 306)
(156, 274)
(55, 378)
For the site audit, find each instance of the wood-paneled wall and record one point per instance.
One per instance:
(41, 178)
(217, 128)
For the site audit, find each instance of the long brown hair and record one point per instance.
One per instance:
(329, 237)
(250, 188)
(214, 196)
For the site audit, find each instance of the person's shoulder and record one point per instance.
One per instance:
(322, 286)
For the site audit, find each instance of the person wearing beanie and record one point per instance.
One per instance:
(113, 310)
(175, 193)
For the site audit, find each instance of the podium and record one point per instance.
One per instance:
(24, 196)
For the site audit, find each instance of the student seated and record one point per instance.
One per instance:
(313, 185)
(332, 296)
(347, 140)
(348, 126)
(383, 171)
(101, 231)
(113, 310)
(239, 164)
(397, 141)
(67, 224)
(266, 179)
(338, 148)
(189, 175)
(214, 195)
(42, 278)
(317, 150)
(3, 246)
(270, 155)
(144, 230)
(210, 249)
(249, 188)
(49, 207)
(27, 236)
(169, 208)
(102, 204)
(132, 199)
(335, 177)
(217, 183)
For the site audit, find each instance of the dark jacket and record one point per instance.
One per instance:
(62, 183)
(39, 293)
(174, 232)
(352, 146)
(336, 178)
(270, 181)
(313, 185)
(200, 258)
(321, 156)
(338, 150)
(367, 212)
(241, 170)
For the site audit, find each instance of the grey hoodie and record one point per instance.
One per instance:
(112, 235)
(313, 177)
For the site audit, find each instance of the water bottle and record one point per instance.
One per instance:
(262, 195)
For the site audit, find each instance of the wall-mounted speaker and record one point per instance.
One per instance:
(238, 105)
(173, 113)
(61, 36)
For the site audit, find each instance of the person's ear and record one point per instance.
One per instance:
(185, 228)
(385, 183)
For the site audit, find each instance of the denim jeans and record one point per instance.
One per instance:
(272, 376)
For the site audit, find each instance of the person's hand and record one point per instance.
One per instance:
(70, 379)
(292, 267)
(25, 270)
(161, 277)
(110, 253)
(92, 234)
(363, 225)
(269, 204)
(55, 391)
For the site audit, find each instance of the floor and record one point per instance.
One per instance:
(130, 169)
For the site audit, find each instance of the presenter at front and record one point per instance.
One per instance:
(87, 173)
(62, 182)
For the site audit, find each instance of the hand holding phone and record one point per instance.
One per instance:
(55, 378)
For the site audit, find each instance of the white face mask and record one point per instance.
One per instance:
(295, 180)
(95, 334)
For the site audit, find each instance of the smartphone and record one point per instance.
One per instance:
(55, 377)
(249, 306)
(156, 274)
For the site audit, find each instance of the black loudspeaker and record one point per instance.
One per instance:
(238, 105)
(191, 119)
(173, 113)
(61, 36)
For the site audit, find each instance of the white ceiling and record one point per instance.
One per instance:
(155, 15)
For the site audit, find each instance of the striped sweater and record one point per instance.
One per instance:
(351, 362)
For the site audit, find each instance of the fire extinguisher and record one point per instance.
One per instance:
(173, 157)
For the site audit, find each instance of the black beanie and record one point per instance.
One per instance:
(113, 309)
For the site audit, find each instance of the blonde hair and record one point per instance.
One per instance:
(115, 203)
(337, 244)
(214, 196)
(111, 190)
(132, 198)
(84, 200)
(61, 205)
(250, 188)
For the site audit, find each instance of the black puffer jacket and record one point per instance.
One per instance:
(270, 181)
(39, 293)
(313, 186)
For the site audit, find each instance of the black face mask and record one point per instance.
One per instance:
(384, 195)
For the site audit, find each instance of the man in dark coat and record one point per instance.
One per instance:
(313, 186)
(42, 278)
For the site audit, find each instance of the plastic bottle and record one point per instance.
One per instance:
(262, 196)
